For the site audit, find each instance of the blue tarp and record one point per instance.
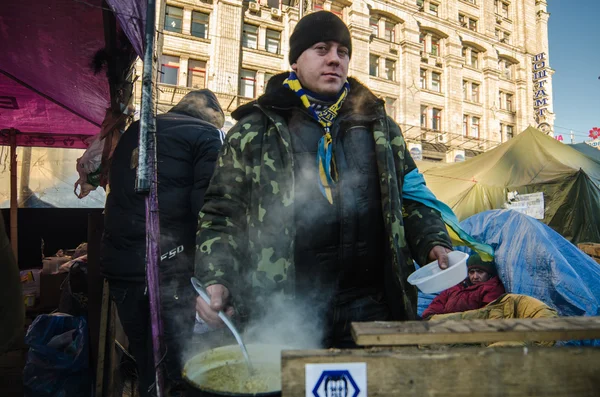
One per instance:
(534, 260)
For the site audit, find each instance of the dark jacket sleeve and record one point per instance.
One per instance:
(424, 226)
(437, 305)
(206, 150)
(220, 242)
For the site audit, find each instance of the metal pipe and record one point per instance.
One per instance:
(146, 182)
(14, 203)
(147, 122)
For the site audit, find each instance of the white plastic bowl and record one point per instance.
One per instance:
(431, 279)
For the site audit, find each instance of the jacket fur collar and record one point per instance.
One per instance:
(360, 102)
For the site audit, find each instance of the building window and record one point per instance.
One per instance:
(420, 3)
(373, 65)
(273, 4)
(506, 101)
(390, 32)
(501, 8)
(473, 24)
(423, 43)
(509, 132)
(467, 22)
(173, 18)
(390, 69)
(435, 46)
(169, 70)
(196, 74)
(474, 59)
(505, 38)
(436, 119)
(509, 102)
(247, 83)
(268, 77)
(433, 9)
(200, 25)
(465, 125)
(273, 42)
(423, 116)
(250, 36)
(475, 127)
(436, 82)
(475, 93)
(374, 22)
(390, 107)
(465, 86)
(506, 68)
(423, 80)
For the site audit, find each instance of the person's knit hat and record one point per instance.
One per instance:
(318, 27)
(475, 262)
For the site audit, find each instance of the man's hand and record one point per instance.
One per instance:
(440, 254)
(219, 300)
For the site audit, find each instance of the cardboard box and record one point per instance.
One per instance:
(50, 289)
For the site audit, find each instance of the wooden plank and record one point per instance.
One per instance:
(475, 331)
(507, 372)
(102, 341)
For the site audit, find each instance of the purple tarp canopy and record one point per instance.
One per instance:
(48, 90)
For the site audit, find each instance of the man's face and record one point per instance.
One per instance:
(323, 68)
(477, 276)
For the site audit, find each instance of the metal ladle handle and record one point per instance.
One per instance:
(204, 295)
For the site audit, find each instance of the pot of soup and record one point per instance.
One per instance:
(223, 371)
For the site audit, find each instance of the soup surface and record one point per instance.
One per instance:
(235, 378)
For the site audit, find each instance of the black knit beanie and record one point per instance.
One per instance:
(318, 27)
(475, 262)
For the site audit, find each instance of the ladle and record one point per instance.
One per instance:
(204, 295)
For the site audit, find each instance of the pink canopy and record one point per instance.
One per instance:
(48, 90)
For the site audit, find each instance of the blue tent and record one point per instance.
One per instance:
(534, 260)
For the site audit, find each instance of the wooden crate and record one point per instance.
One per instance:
(395, 366)
(507, 372)
(592, 249)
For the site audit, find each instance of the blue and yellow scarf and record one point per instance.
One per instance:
(325, 116)
(414, 187)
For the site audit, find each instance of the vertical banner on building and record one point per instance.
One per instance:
(541, 98)
(416, 150)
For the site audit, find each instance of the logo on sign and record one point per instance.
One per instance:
(336, 384)
(336, 380)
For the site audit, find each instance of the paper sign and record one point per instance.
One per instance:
(528, 204)
(336, 380)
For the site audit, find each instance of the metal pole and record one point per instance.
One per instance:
(14, 204)
(146, 182)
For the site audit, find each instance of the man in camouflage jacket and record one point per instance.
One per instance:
(266, 229)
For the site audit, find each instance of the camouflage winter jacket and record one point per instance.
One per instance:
(246, 231)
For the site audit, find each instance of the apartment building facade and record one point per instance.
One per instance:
(459, 76)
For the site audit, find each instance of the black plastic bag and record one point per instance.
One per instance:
(58, 360)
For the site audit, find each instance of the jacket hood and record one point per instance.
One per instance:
(361, 101)
(203, 105)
